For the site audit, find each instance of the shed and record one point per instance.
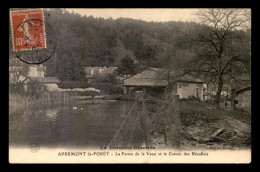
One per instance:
(153, 79)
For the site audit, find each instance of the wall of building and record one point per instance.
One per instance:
(186, 90)
(36, 71)
(244, 100)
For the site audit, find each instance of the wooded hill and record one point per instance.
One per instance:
(87, 41)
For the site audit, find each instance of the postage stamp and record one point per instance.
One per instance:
(33, 40)
(28, 30)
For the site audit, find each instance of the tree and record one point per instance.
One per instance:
(35, 88)
(18, 75)
(220, 45)
(126, 67)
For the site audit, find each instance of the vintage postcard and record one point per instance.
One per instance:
(130, 85)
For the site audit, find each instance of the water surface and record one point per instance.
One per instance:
(88, 125)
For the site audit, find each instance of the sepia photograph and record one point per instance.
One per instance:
(129, 85)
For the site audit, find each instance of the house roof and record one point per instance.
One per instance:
(46, 79)
(243, 90)
(145, 78)
(151, 77)
(189, 78)
(241, 81)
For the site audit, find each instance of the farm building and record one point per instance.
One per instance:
(37, 72)
(242, 98)
(153, 81)
(241, 92)
(91, 71)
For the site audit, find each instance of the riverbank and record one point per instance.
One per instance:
(18, 101)
(205, 126)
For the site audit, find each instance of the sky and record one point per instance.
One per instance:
(156, 15)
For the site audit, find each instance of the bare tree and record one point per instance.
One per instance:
(220, 44)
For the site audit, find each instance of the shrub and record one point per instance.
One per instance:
(17, 88)
(72, 84)
(108, 88)
(35, 88)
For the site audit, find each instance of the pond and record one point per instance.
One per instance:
(88, 125)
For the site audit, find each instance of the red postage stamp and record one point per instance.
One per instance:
(28, 30)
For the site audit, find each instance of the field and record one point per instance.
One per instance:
(205, 126)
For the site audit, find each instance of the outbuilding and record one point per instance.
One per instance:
(153, 80)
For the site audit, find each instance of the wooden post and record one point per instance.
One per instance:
(125, 90)
(174, 133)
(63, 93)
(142, 116)
(233, 95)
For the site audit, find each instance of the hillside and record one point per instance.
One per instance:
(89, 41)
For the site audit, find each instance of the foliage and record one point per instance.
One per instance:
(102, 42)
(105, 78)
(18, 75)
(72, 84)
(108, 88)
(127, 67)
(35, 88)
(107, 83)
(219, 49)
(17, 88)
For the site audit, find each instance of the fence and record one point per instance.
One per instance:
(56, 98)
(135, 129)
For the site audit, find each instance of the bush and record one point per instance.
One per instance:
(108, 84)
(35, 88)
(17, 88)
(88, 93)
(108, 88)
(72, 84)
(105, 78)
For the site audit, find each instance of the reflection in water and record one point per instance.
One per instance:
(51, 114)
(82, 125)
